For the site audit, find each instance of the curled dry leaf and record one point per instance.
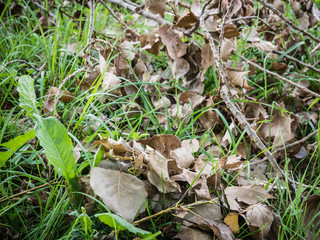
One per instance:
(162, 143)
(187, 20)
(176, 48)
(158, 172)
(122, 193)
(279, 128)
(151, 41)
(238, 77)
(219, 229)
(207, 59)
(259, 219)
(191, 96)
(230, 30)
(157, 6)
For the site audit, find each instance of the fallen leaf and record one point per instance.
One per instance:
(227, 46)
(121, 192)
(176, 48)
(245, 194)
(157, 6)
(189, 233)
(158, 172)
(237, 77)
(260, 219)
(179, 67)
(232, 221)
(162, 143)
(191, 96)
(187, 20)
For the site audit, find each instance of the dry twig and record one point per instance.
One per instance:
(280, 77)
(288, 21)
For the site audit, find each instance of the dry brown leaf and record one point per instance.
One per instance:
(151, 41)
(191, 96)
(232, 163)
(232, 221)
(230, 30)
(227, 46)
(187, 20)
(264, 46)
(179, 67)
(259, 219)
(245, 194)
(182, 156)
(189, 233)
(158, 174)
(162, 143)
(122, 193)
(279, 128)
(238, 77)
(256, 111)
(207, 59)
(157, 6)
(219, 229)
(311, 214)
(176, 48)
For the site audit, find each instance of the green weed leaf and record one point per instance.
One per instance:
(58, 147)
(14, 144)
(27, 95)
(119, 223)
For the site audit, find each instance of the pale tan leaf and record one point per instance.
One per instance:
(122, 193)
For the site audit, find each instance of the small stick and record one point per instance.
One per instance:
(71, 76)
(21, 61)
(288, 146)
(28, 191)
(43, 9)
(288, 21)
(281, 78)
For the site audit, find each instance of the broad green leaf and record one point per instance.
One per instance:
(14, 144)
(58, 147)
(27, 95)
(119, 223)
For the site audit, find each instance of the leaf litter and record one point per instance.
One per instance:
(190, 172)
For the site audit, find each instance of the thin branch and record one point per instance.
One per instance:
(297, 61)
(280, 77)
(130, 6)
(234, 110)
(288, 21)
(91, 23)
(71, 76)
(43, 9)
(117, 18)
